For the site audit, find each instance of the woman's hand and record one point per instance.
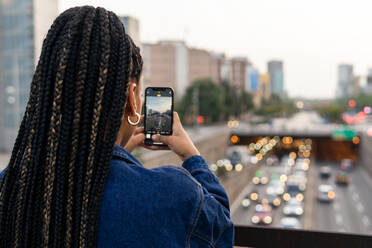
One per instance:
(179, 142)
(135, 140)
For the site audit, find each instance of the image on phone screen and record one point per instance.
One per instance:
(158, 111)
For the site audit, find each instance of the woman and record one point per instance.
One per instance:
(71, 183)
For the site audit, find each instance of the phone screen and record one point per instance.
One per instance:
(158, 111)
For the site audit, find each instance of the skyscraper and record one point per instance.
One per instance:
(345, 82)
(275, 69)
(238, 73)
(368, 87)
(23, 25)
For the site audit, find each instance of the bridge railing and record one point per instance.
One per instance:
(250, 236)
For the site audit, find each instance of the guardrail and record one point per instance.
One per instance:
(249, 236)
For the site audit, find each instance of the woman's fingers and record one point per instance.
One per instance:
(138, 130)
(155, 148)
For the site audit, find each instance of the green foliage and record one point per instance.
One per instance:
(333, 112)
(210, 100)
(277, 107)
(215, 102)
(361, 101)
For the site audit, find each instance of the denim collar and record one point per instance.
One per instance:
(125, 155)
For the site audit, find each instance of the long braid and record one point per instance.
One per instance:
(83, 66)
(105, 55)
(61, 157)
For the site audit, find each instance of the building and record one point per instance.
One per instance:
(132, 27)
(275, 69)
(368, 87)
(166, 64)
(252, 79)
(264, 90)
(217, 63)
(200, 64)
(356, 86)
(345, 82)
(23, 26)
(238, 73)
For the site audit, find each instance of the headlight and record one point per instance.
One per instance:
(254, 196)
(267, 219)
(299, 196)
(255, 219)
(276, 202)
(286, 197)
(264, 180)
(255, 180)
(245, 203)
(331, 194)
(299, 211)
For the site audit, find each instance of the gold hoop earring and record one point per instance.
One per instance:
(136, 122)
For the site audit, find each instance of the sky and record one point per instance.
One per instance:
(160, 104)
(310, 37)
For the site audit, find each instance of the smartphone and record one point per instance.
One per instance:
(158, 110)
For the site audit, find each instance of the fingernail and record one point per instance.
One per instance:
(155, 137)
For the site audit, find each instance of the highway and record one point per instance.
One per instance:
(349, 212)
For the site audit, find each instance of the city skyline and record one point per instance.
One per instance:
(310, 38)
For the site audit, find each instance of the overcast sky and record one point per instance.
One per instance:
(311, 37)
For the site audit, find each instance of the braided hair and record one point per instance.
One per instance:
(51, 190)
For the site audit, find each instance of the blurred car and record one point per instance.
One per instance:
(301, 166)
(246, 202)
(294, 191)
(263, 214)
(300, 179)
(272, 200)
(342, 178)
(293, 208)
(290, 222)
(235, 158)
(325, 172)
(272, 160)
(275, 187)
(346, 164)
(260, 178)
(325, 193)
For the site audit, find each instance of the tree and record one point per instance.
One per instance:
(209, 98)
(332, 113)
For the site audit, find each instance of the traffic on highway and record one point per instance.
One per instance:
(294, 190)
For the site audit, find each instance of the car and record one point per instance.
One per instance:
(342, 178)
(346, 164)
(301, 166)
(272, 160)
(293, 208)
(290, 222)
(272, 199)
(275, 187)
(294, 190)
(260, 178)
(246, 202)
(235, 158)
(325, 172)
(263, 214)
(325, 193)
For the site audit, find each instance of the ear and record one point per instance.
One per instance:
(132, 101)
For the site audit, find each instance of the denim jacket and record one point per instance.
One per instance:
(167, 206)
